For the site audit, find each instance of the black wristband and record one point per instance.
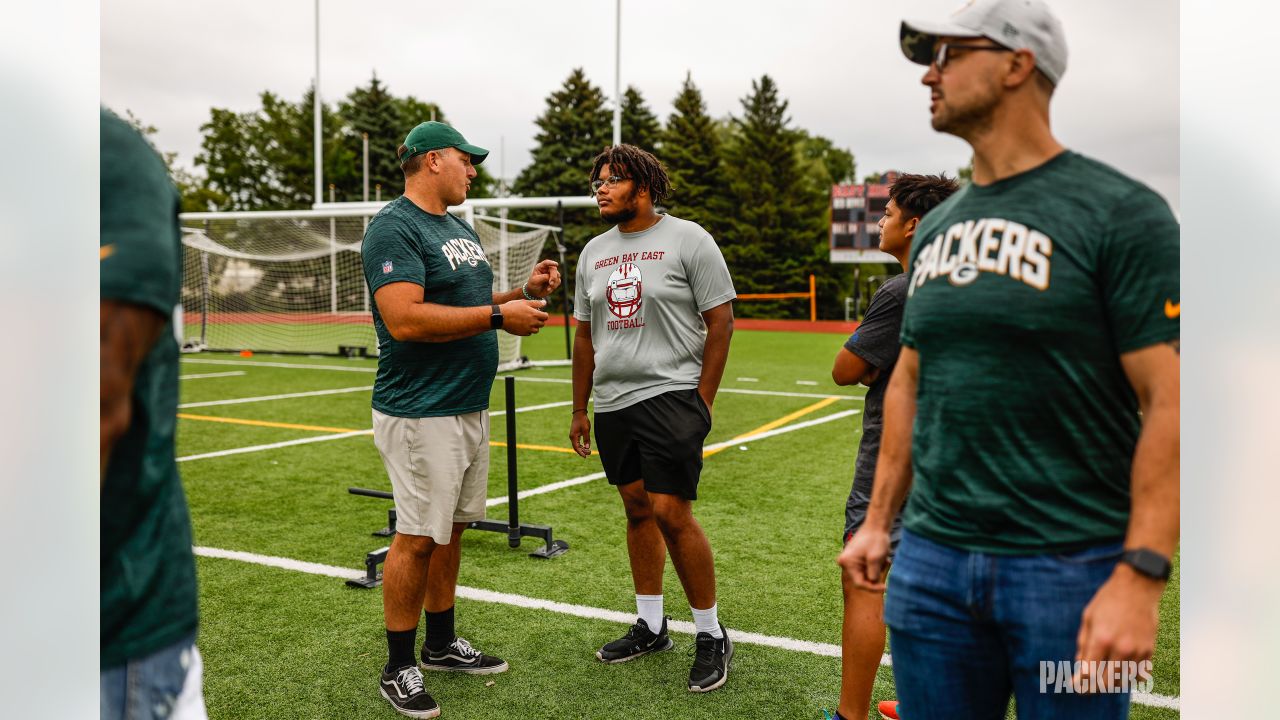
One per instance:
(495, 319)
(1148, 562)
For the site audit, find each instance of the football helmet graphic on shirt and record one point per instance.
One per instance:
(624, 291)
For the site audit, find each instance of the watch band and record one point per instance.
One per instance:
(1148, 562)
(495, 318)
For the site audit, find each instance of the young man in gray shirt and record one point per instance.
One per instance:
(655, 315)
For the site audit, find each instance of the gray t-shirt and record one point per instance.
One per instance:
(643, 294)
(876, 341)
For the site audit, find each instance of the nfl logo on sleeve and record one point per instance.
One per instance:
(386, 266)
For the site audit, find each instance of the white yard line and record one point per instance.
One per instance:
(559, 381)
(286, 396)
(747, 379)
(202, 376)
(782, 430)
(806, 382)
(736, 391)
(322, 438)
(531, 408)
(779, 393)
(298, 366)
(562, 484)
(273, 446)
(549, 487)
(586, 611)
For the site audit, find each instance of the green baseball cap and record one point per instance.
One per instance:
(435, 135)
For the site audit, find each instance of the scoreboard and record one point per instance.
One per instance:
(855, 221)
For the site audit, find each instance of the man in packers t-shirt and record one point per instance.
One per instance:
(654, 318)
(149, 662)
(434, 313)
(1040, 370)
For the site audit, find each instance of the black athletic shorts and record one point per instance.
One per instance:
(658, 440)
(855, 513)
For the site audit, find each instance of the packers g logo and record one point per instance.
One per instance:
(963, 274)
(624, 290)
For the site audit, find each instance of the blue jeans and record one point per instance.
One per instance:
(968, 629)
(151, 687)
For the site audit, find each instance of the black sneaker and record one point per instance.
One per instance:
(639, 640)
(403, 689)
(711, 662)
(459, 656)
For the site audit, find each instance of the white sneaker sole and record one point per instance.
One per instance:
(670, 644)
(411, 713)
(494, 670)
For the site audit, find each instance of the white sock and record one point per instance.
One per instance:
(649, 608)
(705, 621)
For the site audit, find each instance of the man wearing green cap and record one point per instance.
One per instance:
(434, 313)
(1039, 369)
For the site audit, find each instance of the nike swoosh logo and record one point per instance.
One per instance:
(1171, 309)
(105, 251)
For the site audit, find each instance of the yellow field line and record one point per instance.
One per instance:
(547, 448)
(321, 428)
(778, 423)
(264, 423)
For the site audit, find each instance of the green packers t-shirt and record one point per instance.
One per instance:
(148, 598)
(1023, 295)
(442, 254)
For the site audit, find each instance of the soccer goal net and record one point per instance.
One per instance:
(292, 282)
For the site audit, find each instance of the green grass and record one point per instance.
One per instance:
(282, 643)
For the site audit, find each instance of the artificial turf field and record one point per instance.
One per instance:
(296, 642)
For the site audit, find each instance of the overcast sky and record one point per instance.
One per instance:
(490, 64)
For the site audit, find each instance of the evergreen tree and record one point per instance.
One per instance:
(691, 152)
(639, 124)
(572, 130)
(776, 216)
(373, 110)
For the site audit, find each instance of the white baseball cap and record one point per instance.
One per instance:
(1015, 24)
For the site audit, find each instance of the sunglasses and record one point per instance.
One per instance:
(943, 55)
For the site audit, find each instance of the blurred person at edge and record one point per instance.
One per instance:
(150, 667)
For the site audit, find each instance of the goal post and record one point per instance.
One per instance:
(292, 282)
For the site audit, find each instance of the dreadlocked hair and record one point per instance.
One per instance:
(916, 195)
(637, 165)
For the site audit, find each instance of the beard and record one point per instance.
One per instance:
(624, 210)
(619, 216)
(970, 119)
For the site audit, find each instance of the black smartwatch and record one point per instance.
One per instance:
(495, 319)
(1147, 562)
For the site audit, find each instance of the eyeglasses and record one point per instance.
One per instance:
(944, 52)
(611, 181)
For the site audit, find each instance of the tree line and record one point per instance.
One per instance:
(757, 182)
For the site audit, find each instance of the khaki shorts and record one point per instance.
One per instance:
(439, 470)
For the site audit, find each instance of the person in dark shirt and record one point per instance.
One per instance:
(868, 357)
(150, 667)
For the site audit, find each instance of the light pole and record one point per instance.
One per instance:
(617, 74)
(319, 157)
